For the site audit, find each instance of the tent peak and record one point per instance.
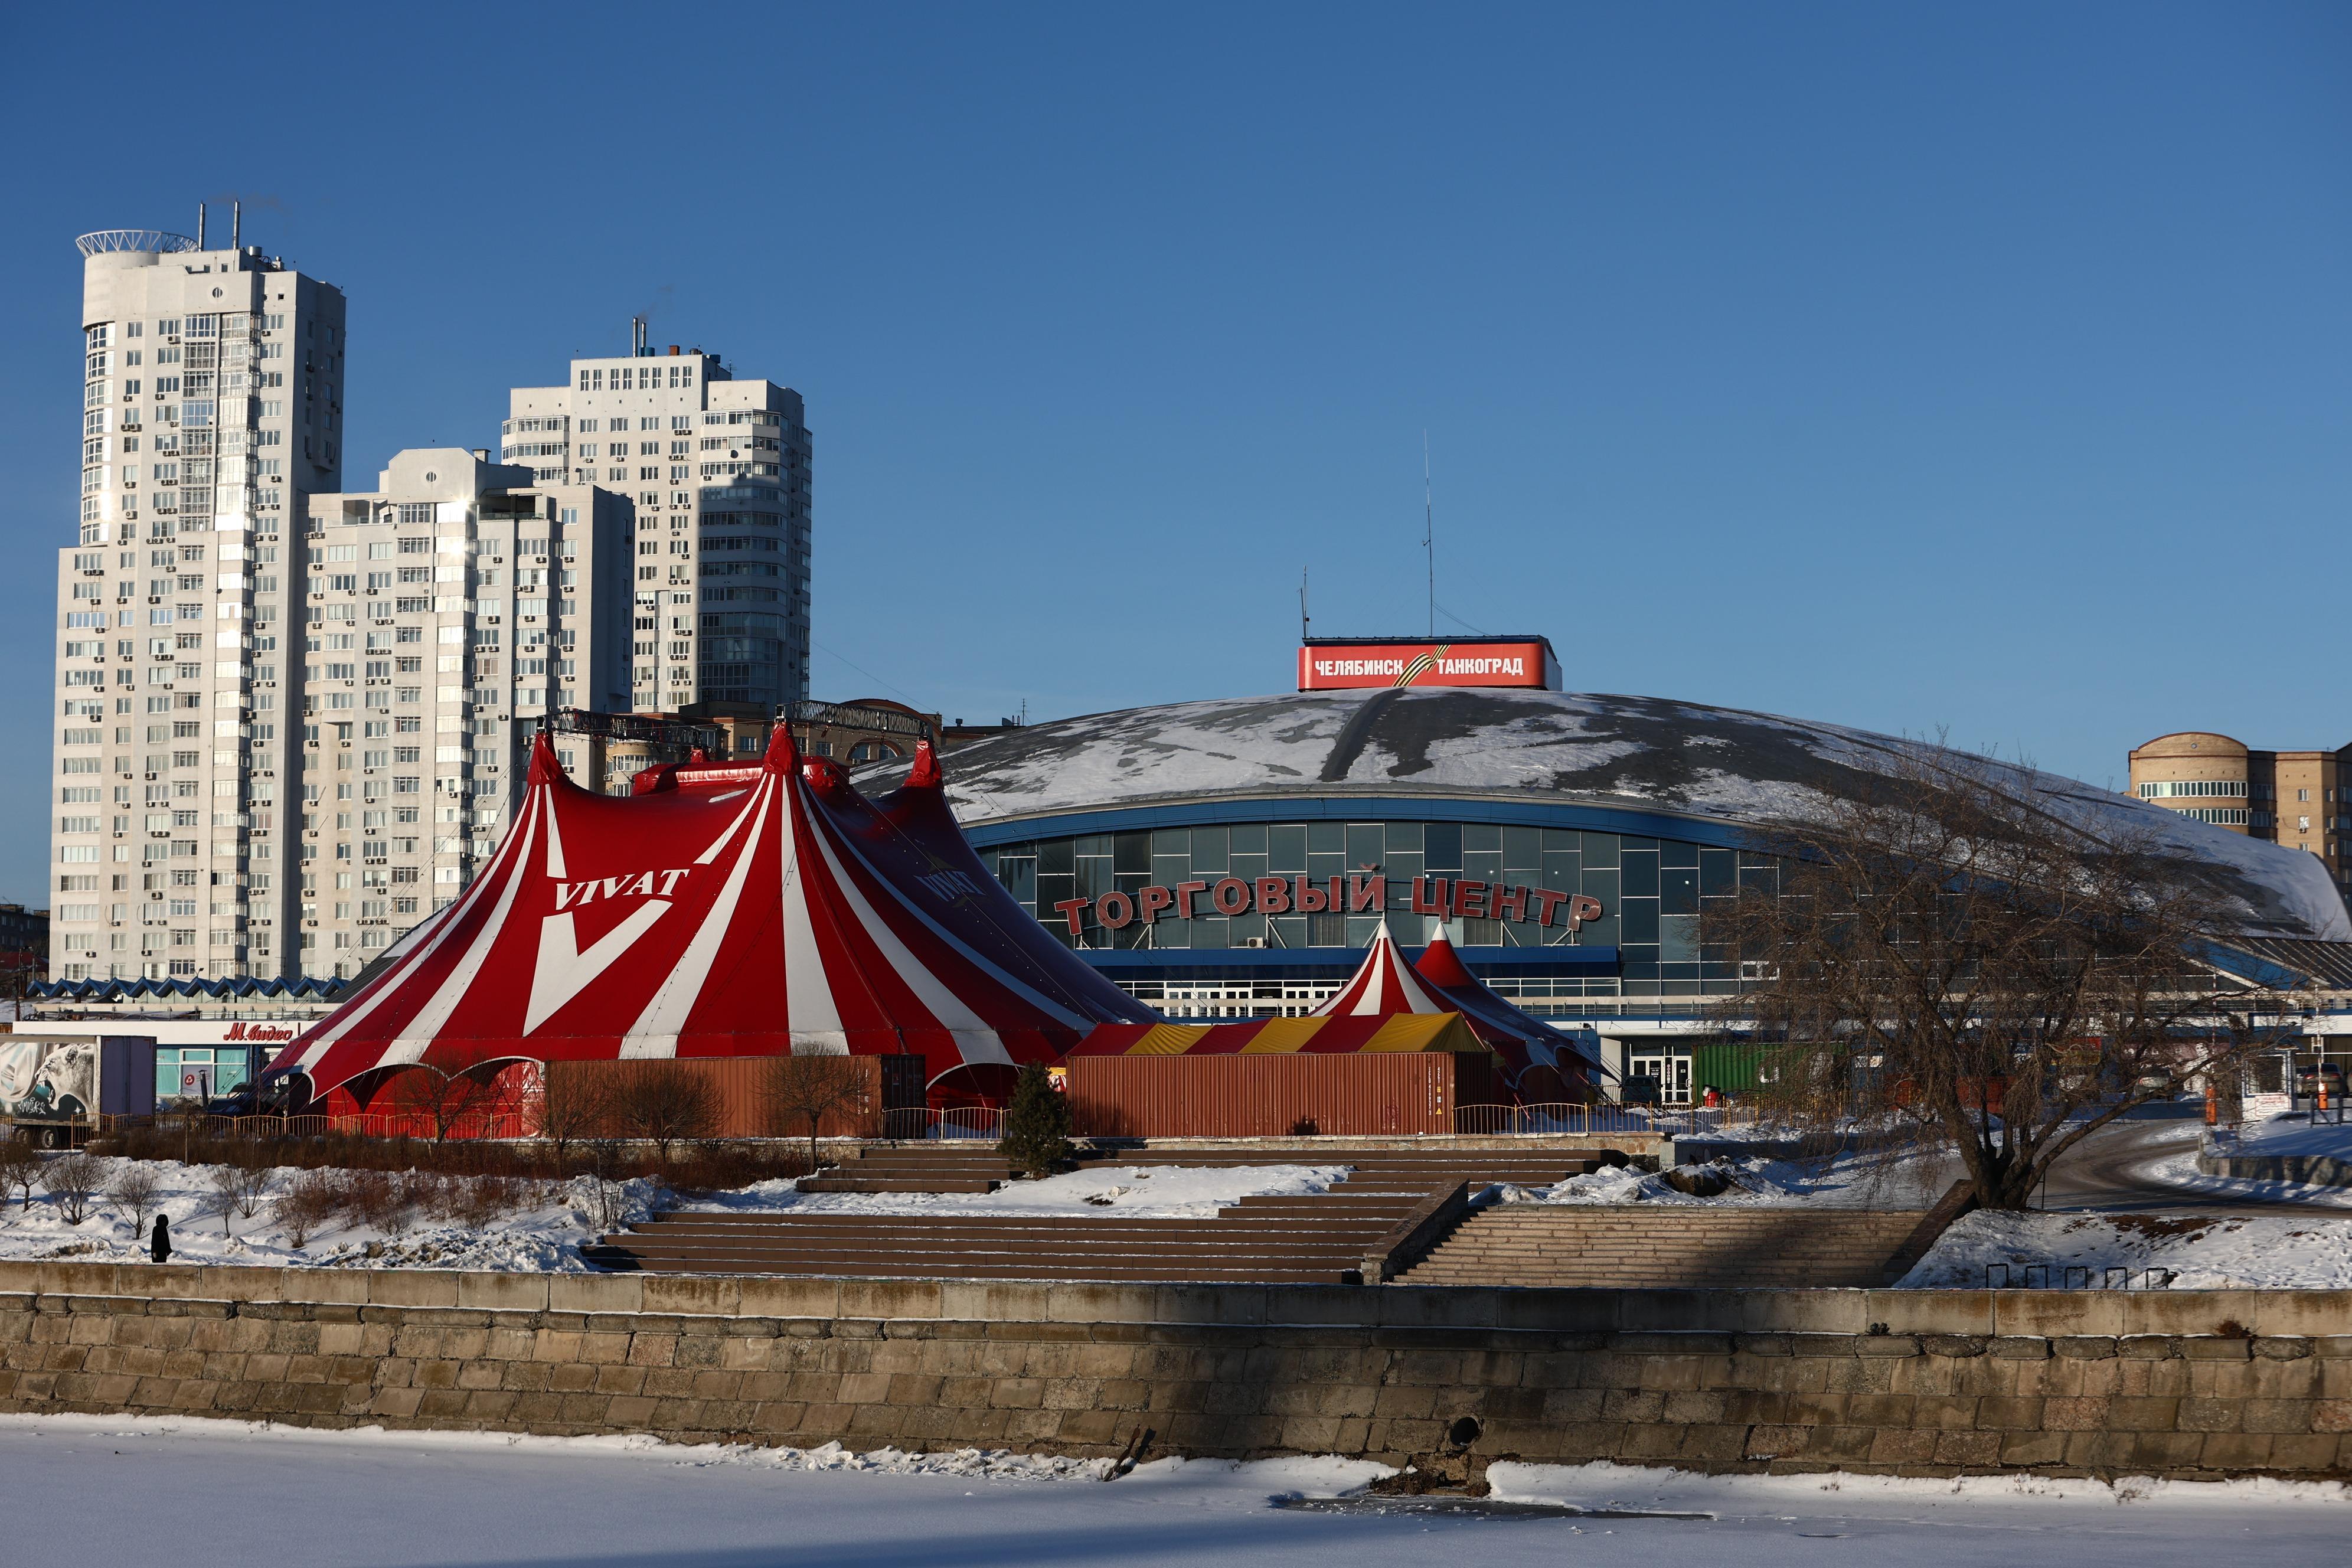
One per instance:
(926, 774)
(1442, 966)
(546, 768)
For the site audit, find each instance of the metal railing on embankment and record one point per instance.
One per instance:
(421, 1126)
(1577, 1120)
(2075, 1276)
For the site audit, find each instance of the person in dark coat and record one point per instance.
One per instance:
(159, 1244)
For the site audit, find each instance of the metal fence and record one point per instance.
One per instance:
(502, 1123)
(1574, 1119)
(2073, 1277)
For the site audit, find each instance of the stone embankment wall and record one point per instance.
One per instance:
(2167, 1382)
(2314, 1169)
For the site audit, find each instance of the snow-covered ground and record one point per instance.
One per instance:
(2223, 1253)
(1879, 1181)
(132, 1492)
(543, 1233)
(551, 1222)
(1140, 1192)
(2294, 1133)
(2179, 1170)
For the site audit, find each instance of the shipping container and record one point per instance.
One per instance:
(1732, 1066)
(126, 1075)
(49, 1087)
(1355, 1095)
(746, 1105)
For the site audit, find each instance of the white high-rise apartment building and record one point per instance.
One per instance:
(212, 410)
(448, 611)
(719, 470)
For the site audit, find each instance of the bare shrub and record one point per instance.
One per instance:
(72, 1180)
(224, 1191)
(135, 1192)
(421, 1193)
(377, 1200)
(484, 1200)
(256, 1179)
(430, 1193)
(20, 1168)
(577, 1106)
(804, 1091)
(311, 1199)
(669, 1108)
(607, 1170)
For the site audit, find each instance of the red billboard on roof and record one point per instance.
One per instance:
(1332, 664)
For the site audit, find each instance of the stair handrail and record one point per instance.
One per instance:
(1426, 1223)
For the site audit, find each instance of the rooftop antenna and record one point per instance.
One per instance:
(636, 337)
(235, 224)
(1303, 620)
(200, 226)
(1429, 530)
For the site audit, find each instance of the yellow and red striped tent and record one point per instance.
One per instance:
(1350, 1034)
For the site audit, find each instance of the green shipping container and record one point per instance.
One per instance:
(1726, 1065)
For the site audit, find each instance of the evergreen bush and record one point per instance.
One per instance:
(1036, 1135)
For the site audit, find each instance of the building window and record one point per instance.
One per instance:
(2164, 789)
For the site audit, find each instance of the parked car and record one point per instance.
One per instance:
(240, 1100)
(245, 1099)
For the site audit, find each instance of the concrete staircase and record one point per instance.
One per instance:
(948, 1167)
(1668, 1246)
(1319, 1239)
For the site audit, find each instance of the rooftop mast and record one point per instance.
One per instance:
(1428, 532)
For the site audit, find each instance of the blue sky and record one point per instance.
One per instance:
(1976, 368)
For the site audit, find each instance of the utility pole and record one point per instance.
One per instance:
(1429, 530)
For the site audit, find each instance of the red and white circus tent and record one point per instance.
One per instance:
(1384, 983)
(723, 910)
(1557, 1069)
(1538, 1059)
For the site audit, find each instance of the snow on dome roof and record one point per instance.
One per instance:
(1646, 753)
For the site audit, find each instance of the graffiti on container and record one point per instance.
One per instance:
(47, 1079)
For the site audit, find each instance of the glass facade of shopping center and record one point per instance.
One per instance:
(1650, 892)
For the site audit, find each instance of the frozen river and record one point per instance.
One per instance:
(204, 1494)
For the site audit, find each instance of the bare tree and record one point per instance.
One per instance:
(72, 1180)
(224, 1188)
(670, 1105)
(20, 1167)
(803, 1092)
(256, 1179)
(311, 1200)
(135, 1192)
(449, 1092)
(577, 1105)
(605, 1166)
(1952, 950)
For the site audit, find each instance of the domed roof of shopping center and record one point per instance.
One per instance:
(1646, 753)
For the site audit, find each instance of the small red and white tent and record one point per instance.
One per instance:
(723, 910)
(1555, 1068)
(1538, 1059)
(1384, 983)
